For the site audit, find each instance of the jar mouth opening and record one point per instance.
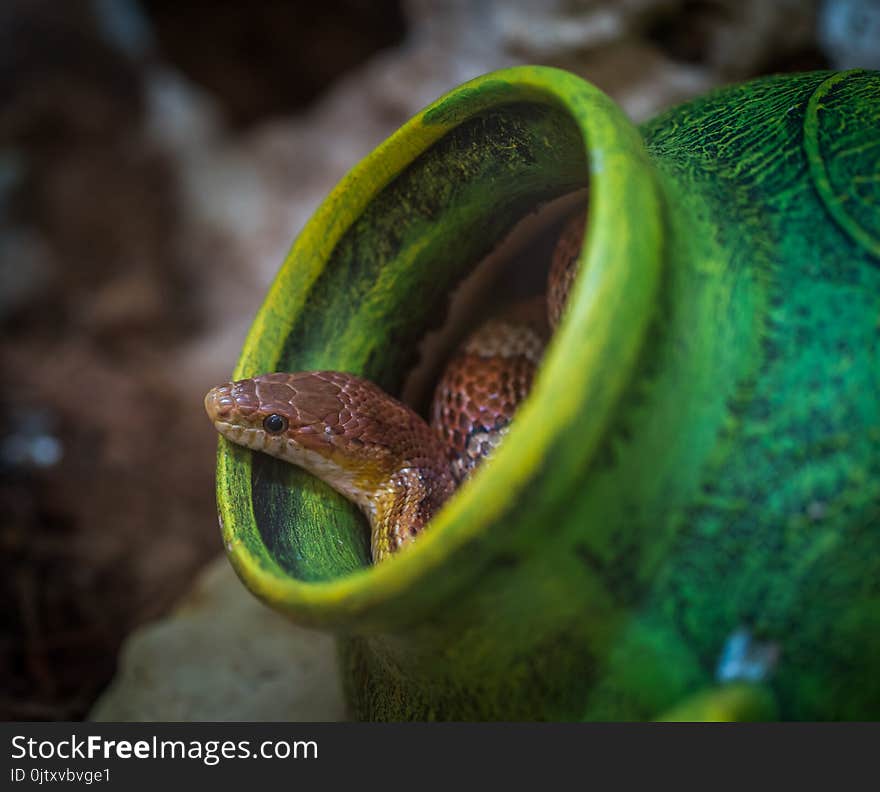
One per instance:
(359, 290)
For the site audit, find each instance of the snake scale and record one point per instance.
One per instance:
(378, 452)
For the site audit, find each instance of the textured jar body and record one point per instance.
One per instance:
(702, 451)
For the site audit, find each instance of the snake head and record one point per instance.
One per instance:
(304, 418)
(280, 413)
(339, 427)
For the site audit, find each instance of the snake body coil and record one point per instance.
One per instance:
(377, 451)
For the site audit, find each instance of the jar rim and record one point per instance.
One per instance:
(610, 305)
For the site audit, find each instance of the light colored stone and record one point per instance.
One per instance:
(224, 656)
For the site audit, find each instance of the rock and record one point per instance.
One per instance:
(224, 656)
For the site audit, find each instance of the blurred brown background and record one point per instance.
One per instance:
(156, 160)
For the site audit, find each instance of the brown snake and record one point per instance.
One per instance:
(377, 451)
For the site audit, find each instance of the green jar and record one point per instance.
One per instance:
(701, 450)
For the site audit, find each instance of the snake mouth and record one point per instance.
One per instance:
(370, 276)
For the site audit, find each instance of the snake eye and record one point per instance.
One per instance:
(274, 423)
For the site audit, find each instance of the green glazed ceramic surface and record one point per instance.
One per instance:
(700, 453)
